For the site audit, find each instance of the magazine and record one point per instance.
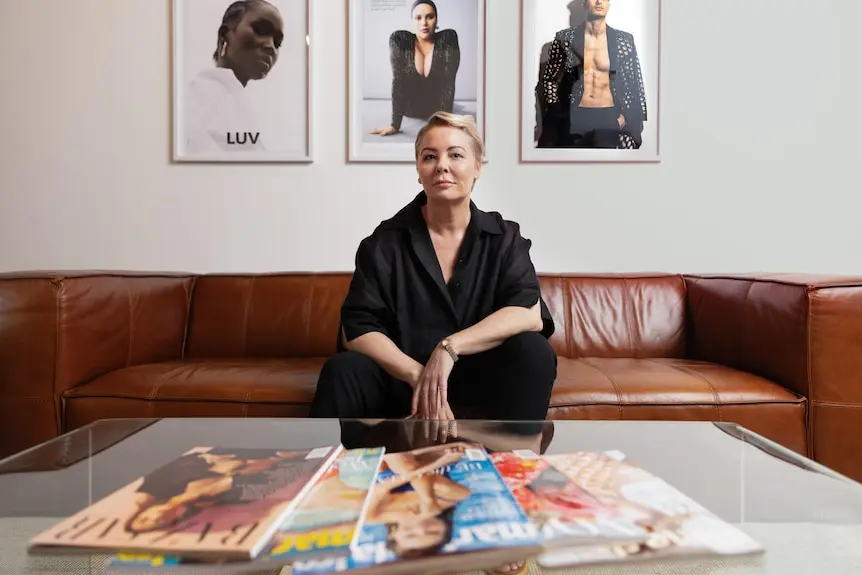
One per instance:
(564, 513)
(326, 520)
(438, 509)
(679, 527)
(322, 522)
(210, 503)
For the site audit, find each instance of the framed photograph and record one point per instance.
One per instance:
(590, 80)
(242, 81)
(407, 60)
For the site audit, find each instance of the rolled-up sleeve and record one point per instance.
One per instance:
(519, 284)
(365, 307)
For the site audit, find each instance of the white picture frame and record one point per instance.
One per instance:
(218, 117)
(636, 22)
(372, 26)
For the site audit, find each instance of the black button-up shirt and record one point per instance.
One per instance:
(398, 289)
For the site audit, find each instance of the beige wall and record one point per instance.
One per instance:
(760, 144)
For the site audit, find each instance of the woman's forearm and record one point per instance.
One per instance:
(496, 328)
(386, 354)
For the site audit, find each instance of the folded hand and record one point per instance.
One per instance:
(430, 396)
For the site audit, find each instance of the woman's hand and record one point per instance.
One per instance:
(387, 131)
(430, 396)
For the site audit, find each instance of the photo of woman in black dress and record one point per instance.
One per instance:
(409, 60)
(425, 64)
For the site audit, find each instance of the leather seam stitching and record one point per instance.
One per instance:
(151, 400)
(628, 310)
(840, 404)
(699, 376)
(131, 319)
(247, 313)
(683, 404)
(613, 384)
(307, 312)
(569, 315)
(809, 376)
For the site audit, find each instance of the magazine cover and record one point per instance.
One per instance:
(563, 512)
(436, 508)
(210, 502)
(678, 525)
(325, 521)
(321, 522)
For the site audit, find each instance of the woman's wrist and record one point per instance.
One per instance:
(414, 374)
(449, 347)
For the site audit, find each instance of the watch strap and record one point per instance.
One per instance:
(448, 347)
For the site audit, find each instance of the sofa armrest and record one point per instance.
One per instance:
(801, 331)
(28, 352)
(60, 330)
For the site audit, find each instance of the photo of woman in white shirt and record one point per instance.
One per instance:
(231, 105)
(218, 116)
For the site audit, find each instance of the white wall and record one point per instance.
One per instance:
(760, 131)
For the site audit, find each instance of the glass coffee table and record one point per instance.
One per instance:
(807, 517)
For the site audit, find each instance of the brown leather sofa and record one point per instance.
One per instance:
(781, 355)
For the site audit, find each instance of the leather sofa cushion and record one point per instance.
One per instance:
(192, 388)
(630, 382)
(591, 388)
(678, 390)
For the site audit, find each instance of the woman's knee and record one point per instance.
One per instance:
(344, 367)
(343, 381)
(533, 350)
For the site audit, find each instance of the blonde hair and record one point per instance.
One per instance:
(462, 122)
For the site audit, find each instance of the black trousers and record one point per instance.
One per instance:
(594, 127)
(511, 382)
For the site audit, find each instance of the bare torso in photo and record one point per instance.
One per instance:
(597, 72)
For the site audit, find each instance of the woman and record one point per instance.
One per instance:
(443, 314)
(416, 500)
(444, 307)
(197, 481)
(217, 115)
(424, 65)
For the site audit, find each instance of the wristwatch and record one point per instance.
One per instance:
(447, 345)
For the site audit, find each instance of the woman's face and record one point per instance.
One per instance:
(447, 165)
(423, 533)
(221, 463)
(424, 21)
(252, 47)
(158, 517)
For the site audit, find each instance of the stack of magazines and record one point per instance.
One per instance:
(452, 507)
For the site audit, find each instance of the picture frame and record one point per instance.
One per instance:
(381, 70)
(616, 118)
(242, 82)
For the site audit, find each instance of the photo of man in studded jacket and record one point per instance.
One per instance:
(590, 92)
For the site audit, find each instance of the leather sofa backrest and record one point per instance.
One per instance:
(109, 321)
(617, 315)
(265, 315)
(297, 314)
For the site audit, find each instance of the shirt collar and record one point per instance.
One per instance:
(411, 215)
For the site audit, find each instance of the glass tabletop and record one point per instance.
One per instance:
(740, 476)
